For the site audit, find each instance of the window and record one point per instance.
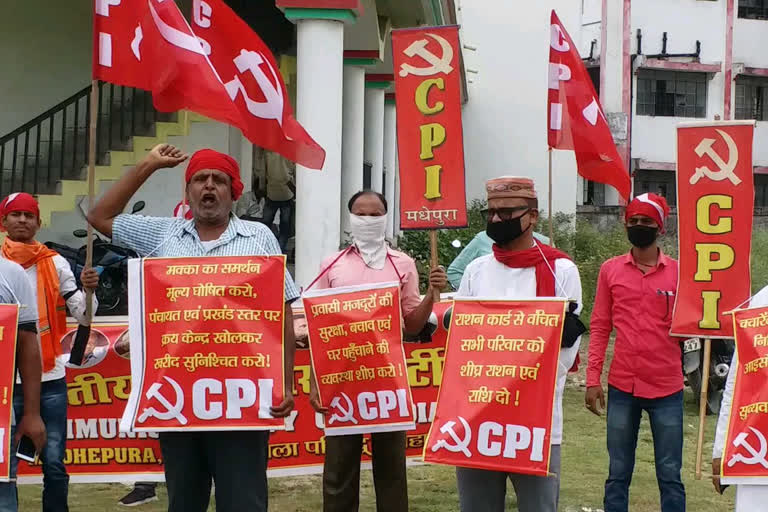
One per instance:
(656, 182)
(751, 97)
(761, 190)
(594, 193)
(753, 9)
(671, 94)
(366, 175)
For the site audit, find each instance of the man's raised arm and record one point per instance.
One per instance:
(114, 201)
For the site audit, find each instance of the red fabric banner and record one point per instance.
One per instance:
(149, 45)
(357, 354)
(494, 410)
(208, 349)
(253, 81)
(9, 322)
(744, 454)
(576, 119)
(97, 394)
(715, 198)
(430, 143)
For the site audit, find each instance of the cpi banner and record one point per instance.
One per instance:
(744, 456)
(9, 322)
(715, 198)
(429, 133)
(97, 393)
(355, 338)
(207, 343)
(99, 390)
(494, 410)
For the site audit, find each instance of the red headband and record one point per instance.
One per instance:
(19, 202)
(649, 205)
(208, 159)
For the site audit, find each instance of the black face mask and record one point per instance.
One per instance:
(505, 231)
(642, 236)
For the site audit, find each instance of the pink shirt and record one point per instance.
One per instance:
(646, 360)
(351, 270)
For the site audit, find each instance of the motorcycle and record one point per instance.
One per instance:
(720, 363)
(110, 261)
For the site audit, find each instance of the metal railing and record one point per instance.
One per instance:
(53, 146)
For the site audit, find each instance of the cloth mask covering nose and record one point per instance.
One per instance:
(642, 236)
(368, 236)
(505, 231)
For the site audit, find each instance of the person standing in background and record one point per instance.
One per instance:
(281, 190)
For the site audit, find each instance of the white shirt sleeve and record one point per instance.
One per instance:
(74, 297)
(569, 286)
(465, 287)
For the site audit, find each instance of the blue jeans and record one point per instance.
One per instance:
(53, 409)
(666, 417)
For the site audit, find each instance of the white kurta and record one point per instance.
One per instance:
(486, 277)
(749, 498)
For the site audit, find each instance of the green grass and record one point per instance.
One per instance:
(433, 488)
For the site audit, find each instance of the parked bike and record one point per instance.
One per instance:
(720, 363)
(110, 261)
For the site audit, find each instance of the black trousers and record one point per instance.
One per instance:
(341, 474)
(236, 461)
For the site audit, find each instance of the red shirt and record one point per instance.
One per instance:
(646, 359)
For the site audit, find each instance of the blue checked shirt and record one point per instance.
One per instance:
(169, 237)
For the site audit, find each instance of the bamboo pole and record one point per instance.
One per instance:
(703, 403)
(549, 204)
(433, 257)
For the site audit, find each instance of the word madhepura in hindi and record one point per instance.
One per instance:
(427, 215)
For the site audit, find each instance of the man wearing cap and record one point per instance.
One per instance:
(635, 296)
(56, 290)
(237, 461)
(520, 268)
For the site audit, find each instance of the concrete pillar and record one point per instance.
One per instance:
(320, 46)
(352, 140)
(374, 135)
(390, 155)
(396, 207)
(614, 73)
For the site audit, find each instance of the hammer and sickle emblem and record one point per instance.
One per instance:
(171, 410)
(346, 414)
(725, 169)
(437, 64)
(272, 108)
(757, 456)
(459, 444)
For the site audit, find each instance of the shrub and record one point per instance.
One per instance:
(588, 245)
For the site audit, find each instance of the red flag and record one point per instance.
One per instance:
(148, 44)
(252, 78)
(576, 119)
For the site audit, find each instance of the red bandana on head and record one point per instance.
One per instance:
(19, 202)
(213, 160)
(649, 205)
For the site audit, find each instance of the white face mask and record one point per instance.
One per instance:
(368, 235)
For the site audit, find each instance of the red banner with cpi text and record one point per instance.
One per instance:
(9, 321)
(97, 393)
(209, 341)
(430, 143)
(355, 338)
(715, 198)
(494, 410)
(744, 454)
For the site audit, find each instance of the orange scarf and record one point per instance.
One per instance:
(50, 304)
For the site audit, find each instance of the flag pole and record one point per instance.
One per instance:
(84, 331)
(549, 204)
(703, 403)
(433, 257)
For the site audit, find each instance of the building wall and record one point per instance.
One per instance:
(55, 62)
(505, 117)
(749, 40)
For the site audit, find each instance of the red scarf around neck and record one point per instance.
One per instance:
(545, 267)
(545, 278)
